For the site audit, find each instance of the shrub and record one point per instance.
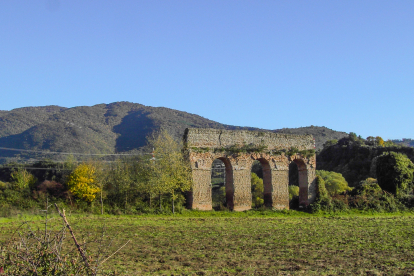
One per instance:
(4, 185)
(257, 190)
(293, 191)
(43, 252)
(395, 173)
(293, 197)
(22, 180)
(52, 188)
(335, 183)
(322, 200)
(368, 195)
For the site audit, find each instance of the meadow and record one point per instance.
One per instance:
(246, 243)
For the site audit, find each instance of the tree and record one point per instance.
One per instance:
(369, 186)
(170, 173)
(353, 136)
(119, 179)
(101, 178)
(82, 182)
(395, 173)
(370, 141)
(143, 172)
(322, 200)
(389, 143)
(330, 143)
(334, 182)
(293, 191)
(379, 141)
(22, 180)
(257, 190)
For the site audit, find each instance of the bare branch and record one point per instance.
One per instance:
(81, 252)
(115, 252)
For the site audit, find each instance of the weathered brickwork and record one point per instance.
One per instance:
(238, 150)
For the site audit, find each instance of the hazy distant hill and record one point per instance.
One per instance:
(404, 142)
(107, 128)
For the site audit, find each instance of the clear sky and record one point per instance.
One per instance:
(347, 65)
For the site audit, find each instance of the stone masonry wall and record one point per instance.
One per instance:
(218, 138)
(203, 146)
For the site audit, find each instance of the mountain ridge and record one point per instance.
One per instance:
(117, 127)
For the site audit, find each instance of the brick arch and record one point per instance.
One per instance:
(239, 149)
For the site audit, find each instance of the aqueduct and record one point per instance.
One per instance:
(238, 149)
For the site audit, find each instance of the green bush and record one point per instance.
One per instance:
(293, 197)
(335, 183)
(322, 200)
(293, 191)
(22, 180)
(368, 195)
(395, 173)
(257, 191)
(4, 185)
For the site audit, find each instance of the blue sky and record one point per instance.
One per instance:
(346, 65)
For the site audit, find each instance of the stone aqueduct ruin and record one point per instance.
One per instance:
(238, 149)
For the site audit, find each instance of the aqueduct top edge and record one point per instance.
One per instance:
(220, 138)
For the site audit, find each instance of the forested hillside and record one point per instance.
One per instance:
(103, 128)
(353, 157)
(106, 128)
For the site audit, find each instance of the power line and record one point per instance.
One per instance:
(60, 161)
(73, 153)
(33, 168)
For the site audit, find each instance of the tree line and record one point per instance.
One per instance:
(379, 173)
(352, 173)
(128, 185)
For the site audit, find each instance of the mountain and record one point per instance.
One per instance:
(106, 128)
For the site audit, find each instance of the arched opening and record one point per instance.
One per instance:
(293, 186)
(298, 184)
(261, 184)
(222, 184)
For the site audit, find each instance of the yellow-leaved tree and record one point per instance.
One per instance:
(82, 182)
(170, 173)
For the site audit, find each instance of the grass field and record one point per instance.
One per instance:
(251, 243)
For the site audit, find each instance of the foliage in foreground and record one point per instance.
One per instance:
(46, 251)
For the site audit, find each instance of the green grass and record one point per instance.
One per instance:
(251, 243)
